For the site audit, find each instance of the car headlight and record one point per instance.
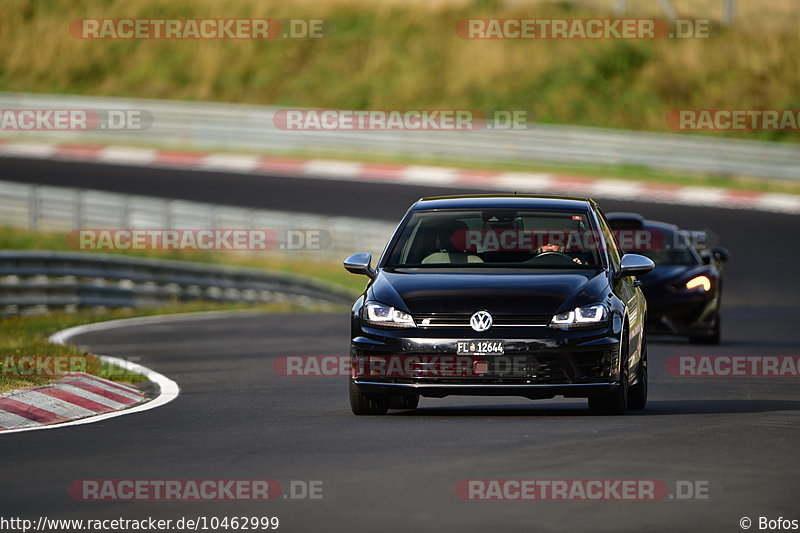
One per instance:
(580, 316)
(699, 281)
(378, 314)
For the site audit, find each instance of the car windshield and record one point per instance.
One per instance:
(496, 238)
(663, 246)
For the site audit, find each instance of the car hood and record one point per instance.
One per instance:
(541, 293)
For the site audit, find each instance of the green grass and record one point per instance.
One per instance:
(406, 55)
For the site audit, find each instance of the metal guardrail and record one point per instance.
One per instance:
(35, 281)
(61, 209)
(214, 126)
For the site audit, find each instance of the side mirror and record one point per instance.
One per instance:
(634, 265)
(705, 257)
(721, 254)
(360, 264)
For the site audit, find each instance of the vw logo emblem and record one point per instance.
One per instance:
(480, 321)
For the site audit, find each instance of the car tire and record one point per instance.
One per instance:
(367, 404)
(404, 401)
(710, 338)
(616, 401)
(637, 394)
(613, 403)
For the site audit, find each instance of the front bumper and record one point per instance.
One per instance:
(543, 363)
(440, 390)
(682, 313)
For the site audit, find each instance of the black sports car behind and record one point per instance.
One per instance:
(683, 291)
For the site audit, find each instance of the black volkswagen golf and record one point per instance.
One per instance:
(500, 295)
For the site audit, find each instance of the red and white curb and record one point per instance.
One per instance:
(74, 396)
(432, 176)
(83, 399)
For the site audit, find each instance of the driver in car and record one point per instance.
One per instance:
(550, 246)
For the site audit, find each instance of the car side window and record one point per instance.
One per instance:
(611, 241)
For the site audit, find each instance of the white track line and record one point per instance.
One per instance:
(121, 155)
(63, 336)
(169, 390)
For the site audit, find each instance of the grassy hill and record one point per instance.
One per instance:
(388, 55)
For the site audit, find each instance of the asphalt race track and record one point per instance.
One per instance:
(237, 419)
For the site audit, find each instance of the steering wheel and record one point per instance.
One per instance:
(551, 255)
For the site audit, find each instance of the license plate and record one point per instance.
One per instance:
(479, 347)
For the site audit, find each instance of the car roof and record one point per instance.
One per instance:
(637, 220)
(625, 216)
(655, 224)
(503, 201)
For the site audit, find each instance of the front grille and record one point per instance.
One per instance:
(438, 320)
(517, 375)
(525, 369)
